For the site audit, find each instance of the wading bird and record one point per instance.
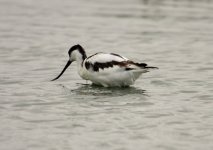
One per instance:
(105, 69)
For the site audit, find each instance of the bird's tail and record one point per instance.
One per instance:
(150, 67)
(143, 65)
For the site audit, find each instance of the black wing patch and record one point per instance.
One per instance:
(141, 65)
(97, 65)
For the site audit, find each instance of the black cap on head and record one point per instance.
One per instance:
(79, 48)
(75, 47)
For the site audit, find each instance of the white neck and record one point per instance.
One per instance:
(77, 56)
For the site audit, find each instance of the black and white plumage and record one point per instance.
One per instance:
(105, 69)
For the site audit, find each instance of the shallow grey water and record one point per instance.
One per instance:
(169, 108)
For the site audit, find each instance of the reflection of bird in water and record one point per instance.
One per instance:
(105, 69)
(94, 90)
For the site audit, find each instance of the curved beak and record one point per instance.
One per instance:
(67, 65)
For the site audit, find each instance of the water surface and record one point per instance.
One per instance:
(168, 109)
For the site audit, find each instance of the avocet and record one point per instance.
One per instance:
(105, 69)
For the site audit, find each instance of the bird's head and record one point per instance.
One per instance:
(76, 52)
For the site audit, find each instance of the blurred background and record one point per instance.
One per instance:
(169, 108)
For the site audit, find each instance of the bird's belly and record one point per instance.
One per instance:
(115, 79)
